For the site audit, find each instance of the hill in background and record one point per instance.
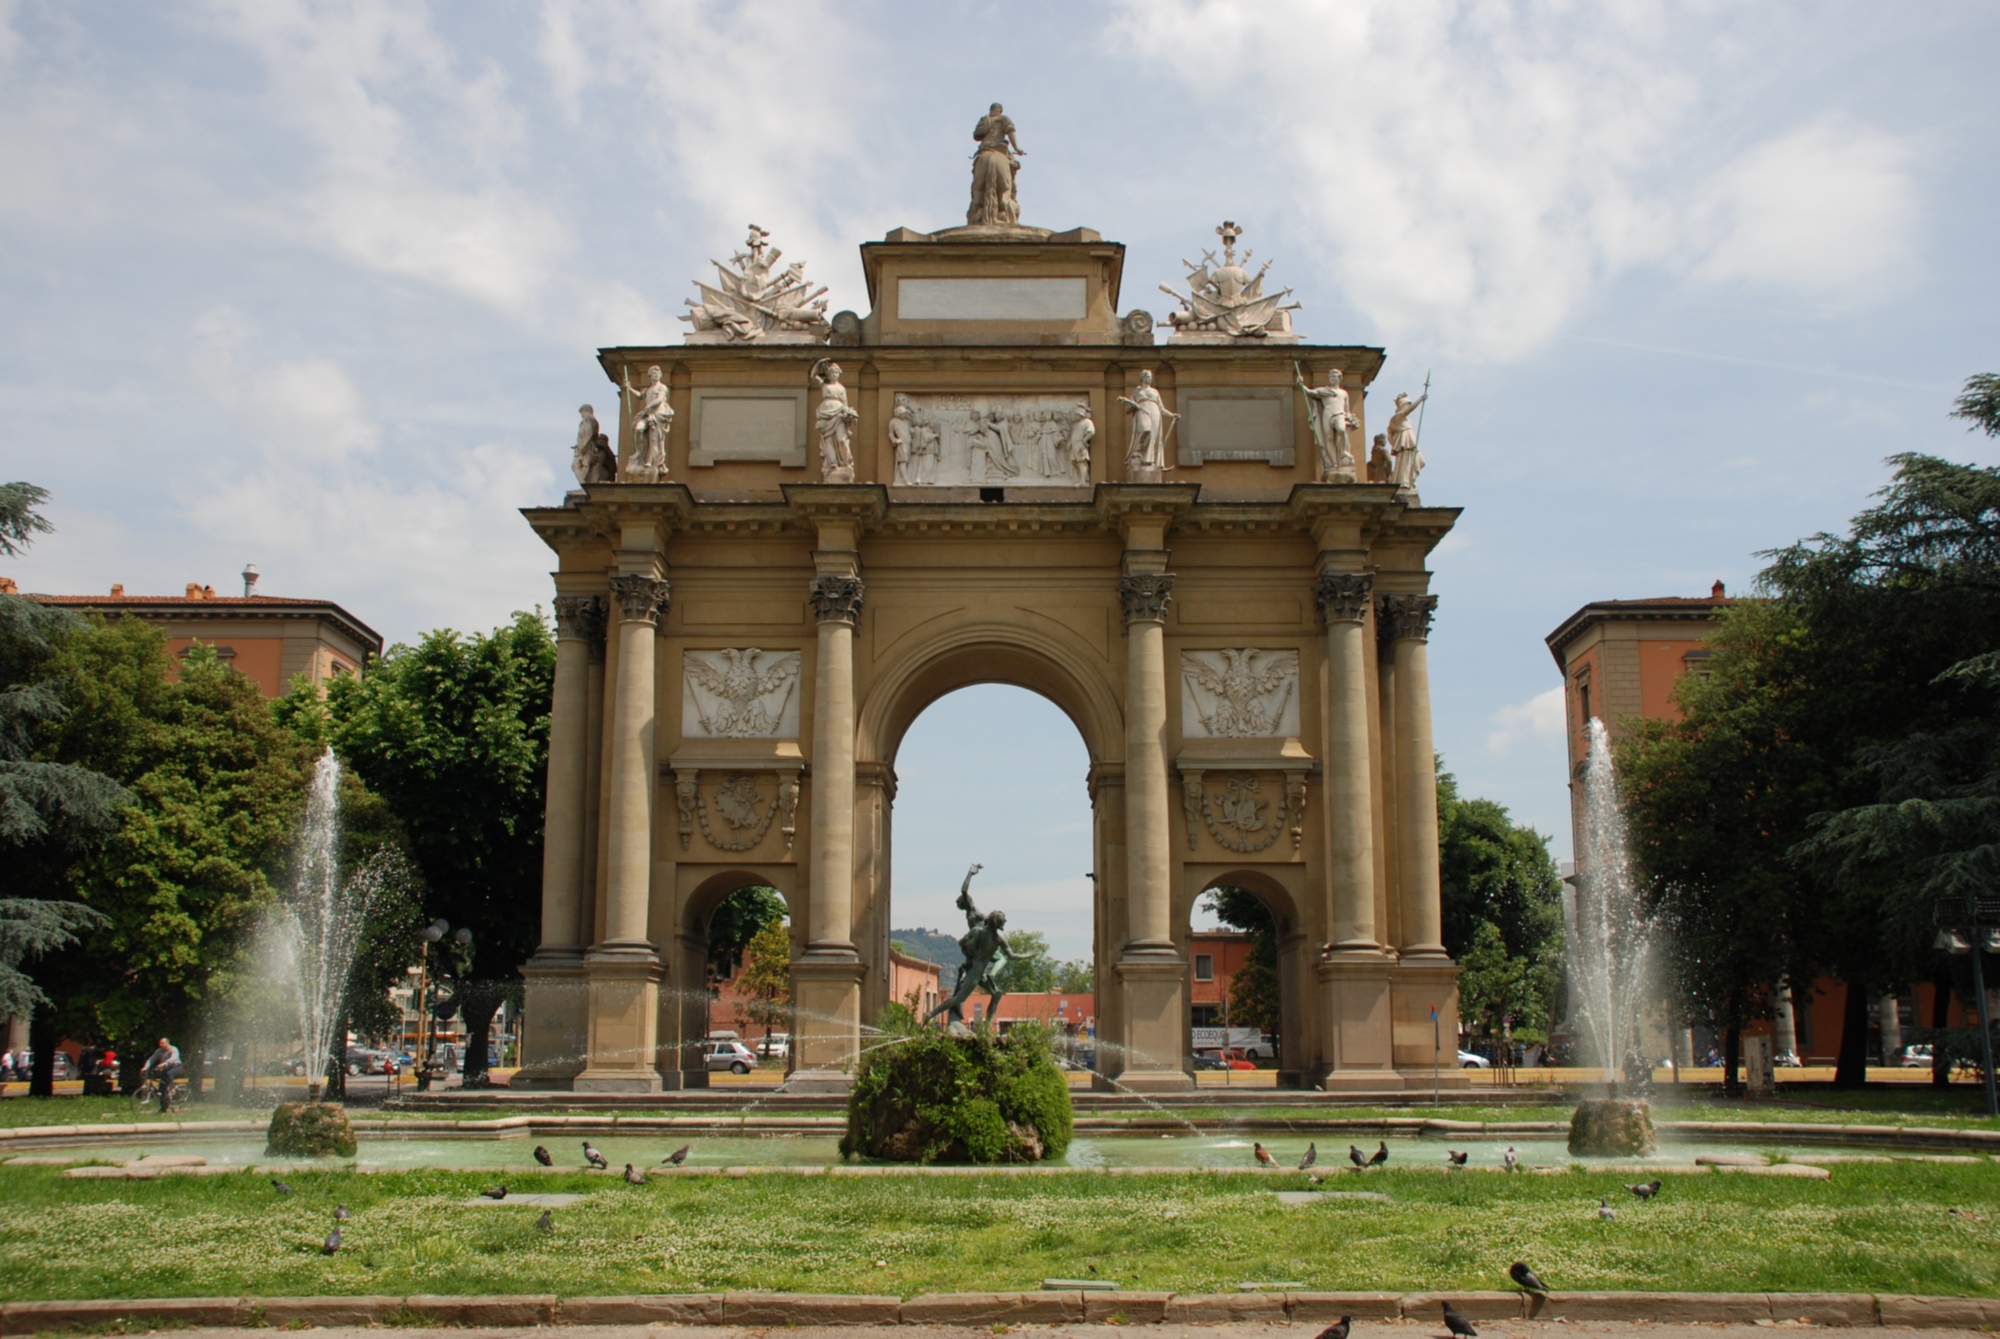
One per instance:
(932, 946)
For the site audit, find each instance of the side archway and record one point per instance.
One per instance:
(1281, 892)
(685, 1007)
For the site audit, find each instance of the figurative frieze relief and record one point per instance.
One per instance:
(1239, 693)
(968, 440)
(1244, 812)
(740, 693)
(1226, 304)
(755, 302)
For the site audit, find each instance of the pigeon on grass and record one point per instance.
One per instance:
(1645, 1190)
(332, 1246)
(280, 1186)
(594, 1158)
(341, 1214)
(1356, 1156)
(677, 1157)
(547, 1222)
(1381, 1155)
(1510, 1159)
(542, 1156)
(1521, 1274)
(496, 1193)
(1605, 1211)
(1455, 1158)
(1264, 1158)
(633, 1177)
(1311, 1156)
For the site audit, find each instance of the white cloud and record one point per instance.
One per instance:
(1538, 719)
(1829, 210)
(1476, 172)
(427, 197)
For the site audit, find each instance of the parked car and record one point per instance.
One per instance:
(778, 1045)
(1208, 1060)
(733, 1056)
(1230, 1059)
(1468, 1060)
(1916, 1057)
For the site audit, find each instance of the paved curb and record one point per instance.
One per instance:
(985, 1310)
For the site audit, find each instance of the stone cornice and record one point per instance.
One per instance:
(1359, 364)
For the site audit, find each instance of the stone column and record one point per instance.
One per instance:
(1353, 974)
(1424, 978)
(625, 968)
(1152, 976)
(555, 1012)
(1406, 620)
(826, 978)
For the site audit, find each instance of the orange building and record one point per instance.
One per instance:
(1620, 659)
(1214, 958)
(266, 638)
(912, 981)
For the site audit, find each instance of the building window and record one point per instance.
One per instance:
(1204, 967)
(1207, 1015)
(1583, 699)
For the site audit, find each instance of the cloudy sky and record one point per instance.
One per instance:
(318, 286)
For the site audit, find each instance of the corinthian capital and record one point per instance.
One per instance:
(1343, 596)
(1401, 616)
(837, 599)
(641, 599)
(1146, 596)
(581, 617)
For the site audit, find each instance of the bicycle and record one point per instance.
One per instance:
(147, 1095)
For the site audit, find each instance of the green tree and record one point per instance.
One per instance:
(767, 977)
(20, 517)
(453, 734)
(1076, 976)
(736, 922)
(1030, 969)
(1502, 913)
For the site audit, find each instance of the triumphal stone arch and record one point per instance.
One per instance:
(811, 528)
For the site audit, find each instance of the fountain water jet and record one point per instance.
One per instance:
(1610, 962)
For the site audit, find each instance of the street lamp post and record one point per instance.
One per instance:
(1970, 927)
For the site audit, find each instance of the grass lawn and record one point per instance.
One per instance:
(1881, 1227)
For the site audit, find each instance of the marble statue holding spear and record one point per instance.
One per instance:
(1403, 441)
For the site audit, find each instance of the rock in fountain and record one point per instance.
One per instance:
(309, 945)
(1610, 957)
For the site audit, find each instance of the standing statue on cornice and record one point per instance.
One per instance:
(1331, 422)
(1081, 430)
(1403, 441)
(994, 166)
(652, 424)
(592, 462)
(1152, 422)
(833, 420)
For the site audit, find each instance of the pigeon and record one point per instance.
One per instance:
(1264, 1158)
(547, 1222)
(542, 1156)
(1967, 1213)
(1510, 1159)
(1337, 1330)
(594, 1158)
(1356, 1156)
(1646, 1190)
(1381, 1155)
(280, 1186)
(1525, 1276)
(1455, 1158)
(1605, 1211)
(677, 1157)
(634, 1178)
(332, 1246)
(1455, 1321)
(1316, 1180)
(340, 1213)
(497, 1193)
(1312, 1156)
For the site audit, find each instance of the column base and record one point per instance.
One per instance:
(1152, 984)
(1356, 1001)
(555, 1019)
(818, 1081)
(624, 1021)
(1418, 985)
(826, 1018)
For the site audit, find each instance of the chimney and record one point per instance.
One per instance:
(7, 586)
(1717, 593)
(249, 580)
(208, 592)
(194, 590)
(117, 590)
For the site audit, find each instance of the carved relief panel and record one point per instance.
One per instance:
(1245, 811)
(1239, 693)
(970, 440)
(735, 810)
(740, 693)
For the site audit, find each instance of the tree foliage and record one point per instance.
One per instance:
(766, 982)
(1030, 968)
(20, 516)
(1253, 987)
(1076, 976)
(1502, 914)
(736, 922)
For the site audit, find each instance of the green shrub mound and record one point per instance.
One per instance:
(1611, 1127)
(309, 1130)
(923, 1095)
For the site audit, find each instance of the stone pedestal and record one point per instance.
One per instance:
(1415, 988)
(1153, 988)
(624, 1022)
(826, 1021)
(1355, 996)
(555, 1019)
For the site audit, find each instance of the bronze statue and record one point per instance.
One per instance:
(985, 953)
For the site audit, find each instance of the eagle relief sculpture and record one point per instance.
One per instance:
(1240, 693)
(741, 693)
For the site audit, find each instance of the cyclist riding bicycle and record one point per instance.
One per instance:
(164, 1065)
